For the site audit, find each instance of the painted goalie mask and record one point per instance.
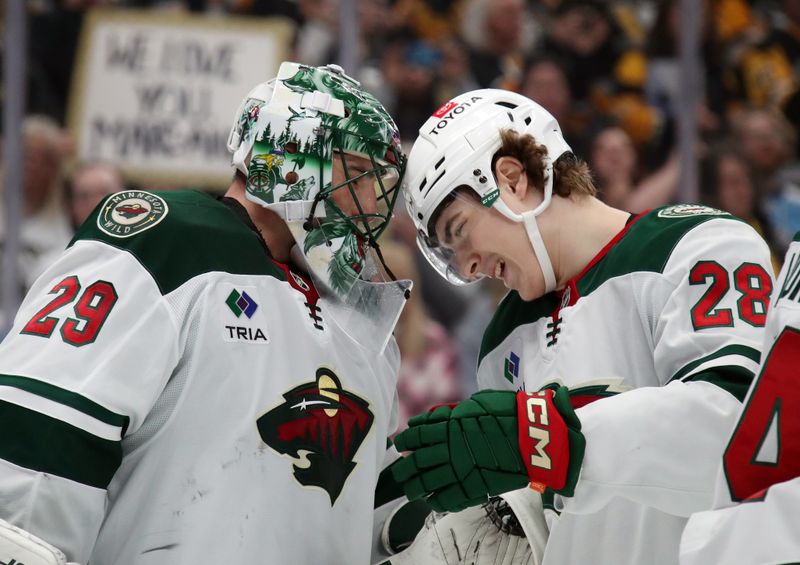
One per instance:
(289, 137)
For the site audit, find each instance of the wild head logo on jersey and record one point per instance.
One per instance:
(320, 426)
(129, 212)
(684, 210)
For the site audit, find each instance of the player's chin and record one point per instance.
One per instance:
(527, 292)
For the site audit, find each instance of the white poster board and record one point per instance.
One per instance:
(155, 94)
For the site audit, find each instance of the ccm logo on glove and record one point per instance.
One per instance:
(535, 404)
(544, 438)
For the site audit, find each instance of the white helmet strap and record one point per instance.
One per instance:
(535, 237)
(528, 219)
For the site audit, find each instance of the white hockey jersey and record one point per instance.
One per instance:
(761, 465)
(171, 395)
(671, 312)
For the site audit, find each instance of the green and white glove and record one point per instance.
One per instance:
(475, 536)
(491, 443)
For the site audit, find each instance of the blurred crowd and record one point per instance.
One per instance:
(607, 70)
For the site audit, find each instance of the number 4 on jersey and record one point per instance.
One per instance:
(91, 311)
(765, 448)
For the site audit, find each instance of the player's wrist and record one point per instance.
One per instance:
(550, 439)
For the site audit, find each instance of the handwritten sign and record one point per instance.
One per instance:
(157, 94)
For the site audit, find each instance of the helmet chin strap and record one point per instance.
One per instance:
(528, 219)
(535, 237)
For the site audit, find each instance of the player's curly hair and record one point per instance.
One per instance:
(572, 174)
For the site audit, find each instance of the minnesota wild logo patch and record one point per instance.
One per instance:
(130, 212)
(684, 210)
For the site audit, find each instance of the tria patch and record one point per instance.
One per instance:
(129, 212)
(685, 210)
(320, 426)
(241, 317)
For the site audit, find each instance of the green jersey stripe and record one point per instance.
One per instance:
(47, 445)
(732, 378)
(644, 245)
(67, 398)
(743, 350)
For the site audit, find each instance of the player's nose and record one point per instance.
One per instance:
(367, 199)
(468, 263)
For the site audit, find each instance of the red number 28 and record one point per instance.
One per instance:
(751, 281)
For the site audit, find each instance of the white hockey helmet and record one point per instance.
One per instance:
(284, 139)
(455, 149)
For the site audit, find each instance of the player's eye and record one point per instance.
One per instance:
(460, 229)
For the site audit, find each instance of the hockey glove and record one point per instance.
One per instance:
(491, 443)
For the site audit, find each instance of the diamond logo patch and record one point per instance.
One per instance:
(241, 303)
(511, 369)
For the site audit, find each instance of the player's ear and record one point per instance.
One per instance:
(511, 177)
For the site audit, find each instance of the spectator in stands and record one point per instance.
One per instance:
(761, 72)
(768, 141)
(409, 67)
(546, 82)
(90, 183)
(499, 34)
(663, 84)
(614, 162)
(602, 66)
(731, 182)
(45, 229)
(318, 37)
(429, 367)
(454, 74)
(789, 38)
(414, 77)
(432, 20)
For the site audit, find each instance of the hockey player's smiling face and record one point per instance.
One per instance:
(483, 242)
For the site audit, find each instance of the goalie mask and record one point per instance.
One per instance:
(288, 138)
(455, 150)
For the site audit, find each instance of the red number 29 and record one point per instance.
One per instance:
(91, 311)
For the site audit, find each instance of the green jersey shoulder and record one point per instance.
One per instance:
(177, 235)
(645, 245)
